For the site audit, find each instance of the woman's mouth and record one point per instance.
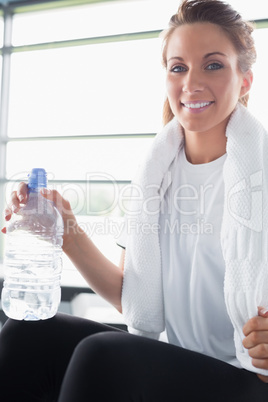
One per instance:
(197, 106)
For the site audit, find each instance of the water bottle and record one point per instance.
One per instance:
(32, 262)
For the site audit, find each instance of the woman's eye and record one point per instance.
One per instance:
(214, 66)
(178, 69)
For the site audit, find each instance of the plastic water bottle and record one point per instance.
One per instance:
(32, 262)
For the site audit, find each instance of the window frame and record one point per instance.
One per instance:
(8, 49)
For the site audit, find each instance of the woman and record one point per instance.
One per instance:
(204, 284)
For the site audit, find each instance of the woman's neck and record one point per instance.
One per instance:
(204, 147)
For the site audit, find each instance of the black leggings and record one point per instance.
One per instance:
(68, 359)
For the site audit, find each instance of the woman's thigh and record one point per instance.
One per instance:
(121, 367)
(34, 355)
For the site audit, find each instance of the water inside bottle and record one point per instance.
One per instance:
(32, 288)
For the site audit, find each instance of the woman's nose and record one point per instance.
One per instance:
(193, 82)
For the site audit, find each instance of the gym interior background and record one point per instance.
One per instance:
(82, 89)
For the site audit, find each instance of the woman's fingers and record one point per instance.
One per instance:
(20, 197)
(61, 204)
(64, 208)
(256, 339)
(17, 197)
(264, 378)
(22, 193)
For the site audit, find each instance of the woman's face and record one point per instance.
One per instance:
(203, 80)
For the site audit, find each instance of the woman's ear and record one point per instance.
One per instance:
(247, 82)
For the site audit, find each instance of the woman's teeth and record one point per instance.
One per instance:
(196, 105)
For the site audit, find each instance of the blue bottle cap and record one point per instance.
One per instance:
(37, 178)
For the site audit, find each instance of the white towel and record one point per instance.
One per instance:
(244, 233)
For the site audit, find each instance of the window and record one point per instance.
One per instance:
(82, 94)
(84, 101)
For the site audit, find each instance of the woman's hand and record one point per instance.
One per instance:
(256, 340)
(16, 199)
(63, 206)
(20, 197)
(104, 277)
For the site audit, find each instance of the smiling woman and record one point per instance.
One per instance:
(227, 26)
(204, 81)
(194, 261)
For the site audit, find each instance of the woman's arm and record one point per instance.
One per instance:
(104, 277)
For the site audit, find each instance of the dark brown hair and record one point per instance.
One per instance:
(219, 13)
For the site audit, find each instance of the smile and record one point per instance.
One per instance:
(196, 105)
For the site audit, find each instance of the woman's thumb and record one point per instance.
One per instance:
(52, 195)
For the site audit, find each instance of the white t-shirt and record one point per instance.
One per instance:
(192, 262)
